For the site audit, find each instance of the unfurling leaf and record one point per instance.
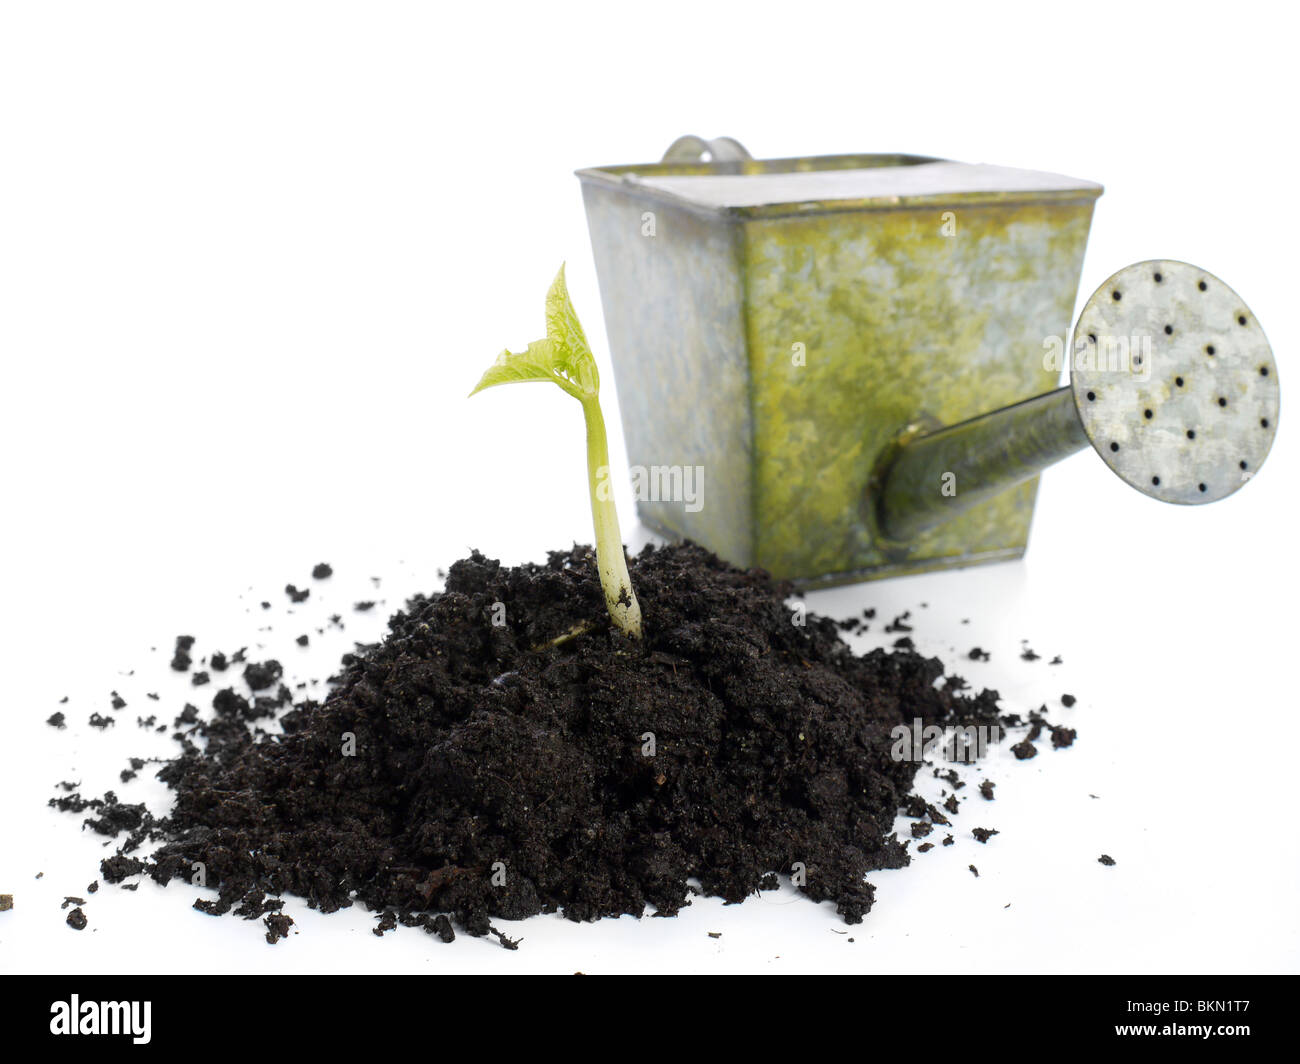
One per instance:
(563, 358)
(535, 364)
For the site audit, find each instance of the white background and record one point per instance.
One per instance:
(254, 255)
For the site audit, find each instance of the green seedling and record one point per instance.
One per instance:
(564, 358)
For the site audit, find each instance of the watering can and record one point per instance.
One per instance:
(852, 361)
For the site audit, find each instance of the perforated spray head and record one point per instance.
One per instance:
(1174, 382)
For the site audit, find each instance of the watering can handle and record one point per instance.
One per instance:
(692, 149)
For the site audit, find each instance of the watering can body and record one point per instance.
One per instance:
(778, 326)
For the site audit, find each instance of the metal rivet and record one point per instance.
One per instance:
(1114, 446)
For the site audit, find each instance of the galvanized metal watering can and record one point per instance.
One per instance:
(860, 354)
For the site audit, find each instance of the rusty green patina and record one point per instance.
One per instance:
(784, 348)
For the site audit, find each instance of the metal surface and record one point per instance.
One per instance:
(934, 477)
(693, 149)
(732, 183)
(1175, 382)
(782, 347)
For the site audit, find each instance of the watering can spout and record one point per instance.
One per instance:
(1172, 382)
(971, 462)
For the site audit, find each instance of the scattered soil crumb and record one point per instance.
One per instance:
(261, 675)
(277, 927)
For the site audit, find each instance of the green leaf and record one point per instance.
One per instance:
(535, 364)
(565, 331)
(563, 358)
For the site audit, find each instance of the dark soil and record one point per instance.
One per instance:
(487, 771)
(1024, 750)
